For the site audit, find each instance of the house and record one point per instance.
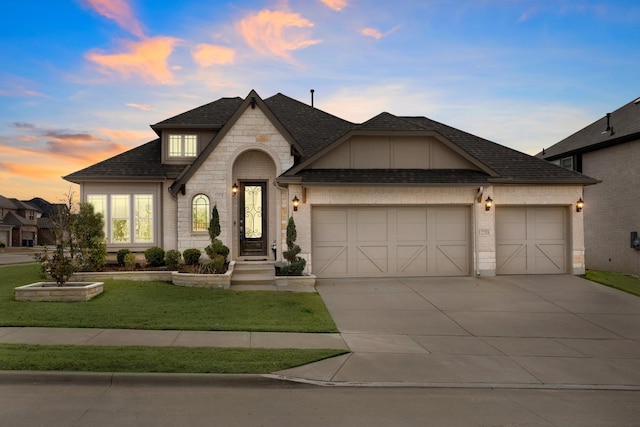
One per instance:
(393, 196)
(46, 225)
(18, 222)
(608, 149)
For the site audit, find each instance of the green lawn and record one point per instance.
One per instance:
(623, 282)
(155, 359)
(158, 305)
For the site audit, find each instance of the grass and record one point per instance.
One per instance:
(158, 305)
(623, 282)
(156, 359)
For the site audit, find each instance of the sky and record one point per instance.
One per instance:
(83, 80)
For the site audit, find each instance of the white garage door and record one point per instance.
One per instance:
(390, 241)
(531, 240)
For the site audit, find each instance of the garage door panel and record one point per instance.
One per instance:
(330, 260)
(531, 240)
(395, 241)
(330, 225)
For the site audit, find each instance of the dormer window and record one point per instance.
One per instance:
(183, 145)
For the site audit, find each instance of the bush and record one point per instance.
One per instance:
(130, 261)
(191, 256)
(88, 241)
(214, 266)
(173, 259)
(296, 264)
(120, 256)
(154, 256)
(217, 248)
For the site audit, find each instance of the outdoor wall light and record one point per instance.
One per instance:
(296, 203)
(234, 189)
(488, 203)
(579, 205)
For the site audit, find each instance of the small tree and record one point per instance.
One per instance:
(59, 264)
(296, 264)
(217, 251)
(88, 242)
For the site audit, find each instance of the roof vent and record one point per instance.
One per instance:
(637, 101)
(312, 90)
(609, 127)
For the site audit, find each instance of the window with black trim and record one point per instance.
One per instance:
(200, 213)
(183, 145)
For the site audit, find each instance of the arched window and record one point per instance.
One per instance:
(200, 213)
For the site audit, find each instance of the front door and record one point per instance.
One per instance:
(253, 218)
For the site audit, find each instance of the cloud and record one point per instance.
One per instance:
(145, 107)
(119, 11)
(15, 86)
(209, 54)
(265, 32)
(146, 58)
(38, 172)
(377, 34)
(131, 136)
(23, 125)
(335, 4)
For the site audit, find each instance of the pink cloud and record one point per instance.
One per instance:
(146, 58)
(209, 54)
(265, 32)
(145, 107)
(377, 34)
(335, 4)
(119, 11)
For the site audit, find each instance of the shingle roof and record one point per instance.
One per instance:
(393, 176)
(214, 114)
(7, 203)
(624, 125)
(143, 162)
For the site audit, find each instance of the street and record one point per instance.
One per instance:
(262, 402)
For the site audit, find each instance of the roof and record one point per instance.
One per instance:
(20, 205)
(14, 219)
(143, 162)
(311, 131)
(7, 203)
(620, 126)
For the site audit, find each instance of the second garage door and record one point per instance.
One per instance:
(531, 240)
(390, 241)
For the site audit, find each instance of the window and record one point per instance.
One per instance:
(143, 214)
(567, 162)
(99, 203)
(120, 219)
(183, 145)
(128, 218)
(200, 213)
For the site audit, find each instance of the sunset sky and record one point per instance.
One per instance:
(82, 80)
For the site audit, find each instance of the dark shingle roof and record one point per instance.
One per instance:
(624, 125)
(7, 203)
(142, 162)
(393, 176)
(312, 129)
(214, 114)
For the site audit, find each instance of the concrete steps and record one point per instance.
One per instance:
(253, 273)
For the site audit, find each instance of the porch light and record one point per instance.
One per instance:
(234, 189)
(296, 203)
(579, 205)
(488, 203)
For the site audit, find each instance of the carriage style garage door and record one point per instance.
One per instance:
(390, 241)
(531, 240)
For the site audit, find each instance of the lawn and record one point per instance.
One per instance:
(156, 359)
(623, 282)
(158, 305)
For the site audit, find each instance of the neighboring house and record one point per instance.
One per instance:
(394, 196)
(23, 220)
(609, 150)
(46, 235)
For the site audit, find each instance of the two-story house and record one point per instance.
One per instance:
(393, 196)
(609, 150)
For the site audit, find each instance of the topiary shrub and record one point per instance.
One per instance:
(154, 256)
(216, 247)
(295, 264)
(120, 256)
(191, 256)
(173, 259)
(214, 266)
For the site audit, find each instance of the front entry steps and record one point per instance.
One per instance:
(253, 273)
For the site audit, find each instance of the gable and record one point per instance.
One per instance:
(392, 152)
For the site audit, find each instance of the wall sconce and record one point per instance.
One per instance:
(579, 205)
(234, 189)
(488, 203)
(296, 203)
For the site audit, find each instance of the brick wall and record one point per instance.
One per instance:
(612, 208)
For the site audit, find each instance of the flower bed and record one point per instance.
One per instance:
(50, 291)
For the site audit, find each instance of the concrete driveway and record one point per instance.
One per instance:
(524, 331)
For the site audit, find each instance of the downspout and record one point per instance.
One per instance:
(476, 232)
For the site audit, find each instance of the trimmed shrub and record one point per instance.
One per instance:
(217, 248)
(191, 256)
(214, 266)
(129, 261)
(154, 256)
(120, 256)
(173, 259)
(296, 264)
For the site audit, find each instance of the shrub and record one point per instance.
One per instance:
(120, 256)
(2, 245)
(296, 264)
(217, 248)
(87, 228)
(130, 261)
(154, 256)
(173, 259)
(191, 256)
(214, 266)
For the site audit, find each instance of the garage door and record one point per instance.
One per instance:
(531, 240)
(390, 241)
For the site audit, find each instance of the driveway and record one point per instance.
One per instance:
(525, 331)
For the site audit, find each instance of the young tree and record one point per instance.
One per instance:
(296, 264)
(217, 251)
(89, 244)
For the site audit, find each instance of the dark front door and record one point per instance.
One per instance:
(253, 218)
